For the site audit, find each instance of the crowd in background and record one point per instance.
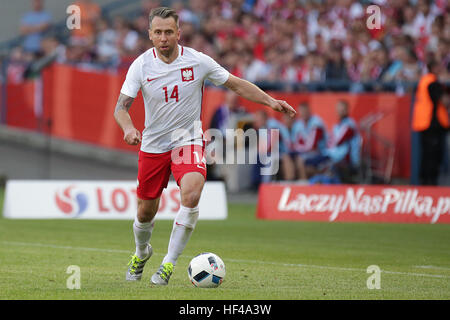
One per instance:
(306, 150)
(289, 41)
(280, 44)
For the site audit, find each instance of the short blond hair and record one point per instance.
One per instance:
(163, 12)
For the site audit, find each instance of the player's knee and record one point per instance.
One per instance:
(191, 198)
(147, 210)
(191, 186)
(145, 216)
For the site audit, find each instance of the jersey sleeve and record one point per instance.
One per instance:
(132, 83)
(214, 71)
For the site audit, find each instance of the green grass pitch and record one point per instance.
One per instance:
(264, 259)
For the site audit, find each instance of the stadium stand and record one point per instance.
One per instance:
(293, 46)
(287, 44)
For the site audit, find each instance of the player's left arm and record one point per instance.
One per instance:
(251, 92)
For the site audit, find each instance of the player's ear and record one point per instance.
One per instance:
(150, 34)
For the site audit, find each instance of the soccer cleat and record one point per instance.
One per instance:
(162, 276)
(136, 266)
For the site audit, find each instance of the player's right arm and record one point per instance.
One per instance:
(131, 135)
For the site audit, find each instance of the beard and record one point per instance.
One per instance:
(168, 52)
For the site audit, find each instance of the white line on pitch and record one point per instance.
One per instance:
(432, 267)
(339, 268)
(34, 244)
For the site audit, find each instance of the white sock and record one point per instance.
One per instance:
(142, 233)
(183, 226)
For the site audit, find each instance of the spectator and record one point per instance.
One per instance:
(140, 25)
(410, 70)
(52, 51)
(354, 66)
(409, 14)
(126, 40)
(309, 142)
(335, 68)
(33, 25)
(90, 12)
(436, 28)
(148, 5)
(266, 127)
(399, 57)
(52, 48)
(289, 167)
(80, 55)
(228, 113)
(423, 20)
(186, 15)
(19, 62)
(227, 116)
(288, 41)
(106, 48)
(344, 149)
(318, 68)
(381, 63)
(442, 56)
(258, 70)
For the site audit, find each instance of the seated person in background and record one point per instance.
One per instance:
(228, 113)
(345, 144)
(227, 116)
(309, 142)
(289, 167)
(262, 121)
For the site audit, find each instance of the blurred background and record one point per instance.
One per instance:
(354, 86)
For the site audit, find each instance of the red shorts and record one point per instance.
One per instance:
(154, 169)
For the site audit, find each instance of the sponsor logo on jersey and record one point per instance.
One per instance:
(187, 74)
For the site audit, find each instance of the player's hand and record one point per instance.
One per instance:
(283, 106)
(132, 136)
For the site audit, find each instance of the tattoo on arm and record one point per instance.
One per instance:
(124, 103)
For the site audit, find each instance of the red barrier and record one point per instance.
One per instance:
(21, 111)
(394, 126)
(80, 106)
(358, 203)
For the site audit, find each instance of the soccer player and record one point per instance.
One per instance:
(171, 80)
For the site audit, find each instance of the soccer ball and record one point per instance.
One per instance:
(206, 270)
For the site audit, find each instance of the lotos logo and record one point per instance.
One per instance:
(71, 202)
(187, 74)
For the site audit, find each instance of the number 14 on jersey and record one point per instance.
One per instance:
(173, 95)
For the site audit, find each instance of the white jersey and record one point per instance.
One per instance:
(172, 96)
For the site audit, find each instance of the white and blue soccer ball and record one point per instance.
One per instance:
(206, 270)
